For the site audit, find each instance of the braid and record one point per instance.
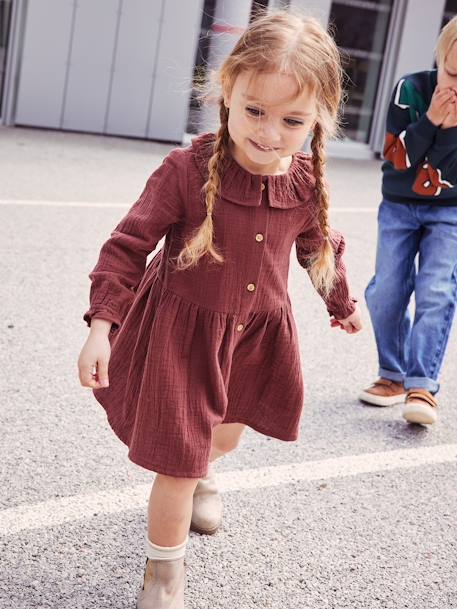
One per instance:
(319, 163)
(202, 241)
(323, 266)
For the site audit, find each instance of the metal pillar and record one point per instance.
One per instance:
(13, 58)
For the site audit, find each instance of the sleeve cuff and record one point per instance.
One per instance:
(99, 313)
(447, 137)
(343, 309)
(425, 127)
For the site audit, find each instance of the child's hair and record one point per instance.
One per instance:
(289, 44)
(446, 39)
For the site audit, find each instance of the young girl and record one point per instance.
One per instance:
(204, 342)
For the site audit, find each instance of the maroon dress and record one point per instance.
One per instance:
(216, 343)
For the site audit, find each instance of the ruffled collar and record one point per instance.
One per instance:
(284, 191)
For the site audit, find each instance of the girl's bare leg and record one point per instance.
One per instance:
(207, 503)
(170, 510)
(169, 514)
(226, 437)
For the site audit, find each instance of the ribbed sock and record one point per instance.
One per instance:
(155, 552)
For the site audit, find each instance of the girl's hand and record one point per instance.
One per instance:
(351, 324)
(440, 105)
(94, 356)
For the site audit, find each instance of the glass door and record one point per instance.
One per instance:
(5, 18)
(360, 29)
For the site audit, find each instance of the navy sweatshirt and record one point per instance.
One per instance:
(420, 159)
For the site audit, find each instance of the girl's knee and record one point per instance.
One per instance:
(226, 439)
(226, 445)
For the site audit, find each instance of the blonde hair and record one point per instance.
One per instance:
(446, 39)
(291, 44)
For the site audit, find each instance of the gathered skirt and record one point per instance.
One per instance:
(177, 369)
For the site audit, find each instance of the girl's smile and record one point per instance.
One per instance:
(264, 148)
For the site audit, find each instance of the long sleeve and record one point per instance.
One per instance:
(409, 132)
(122, 260)
(339, 302)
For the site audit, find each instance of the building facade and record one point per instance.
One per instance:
(127, 68)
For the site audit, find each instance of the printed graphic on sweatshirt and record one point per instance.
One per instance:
(429, 182)
(395, 150)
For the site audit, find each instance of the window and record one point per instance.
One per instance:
(450, 10)
(360, 29)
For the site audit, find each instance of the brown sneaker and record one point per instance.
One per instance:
(383, 393)
(420, 407)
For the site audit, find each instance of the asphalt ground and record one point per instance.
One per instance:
(346, 531)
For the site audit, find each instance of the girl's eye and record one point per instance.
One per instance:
(253, 111)
(293, 122)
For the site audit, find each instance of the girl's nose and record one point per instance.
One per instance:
(269, 133)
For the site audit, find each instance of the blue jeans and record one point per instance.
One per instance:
(409, 350)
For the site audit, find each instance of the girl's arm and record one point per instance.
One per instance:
(339, 302)
(94, 357)
(122, 260)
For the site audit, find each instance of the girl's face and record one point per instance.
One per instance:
(447, 71)
(268, 122)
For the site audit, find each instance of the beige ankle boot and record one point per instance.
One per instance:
(164, 582)
(207, 506)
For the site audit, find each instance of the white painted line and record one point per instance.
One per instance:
(55, 512)
(39, 203)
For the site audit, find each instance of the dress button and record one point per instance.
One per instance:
(240, 327)
(259, 237)
(262, 187)
(250, 287)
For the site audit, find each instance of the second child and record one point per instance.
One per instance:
(417, 218)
